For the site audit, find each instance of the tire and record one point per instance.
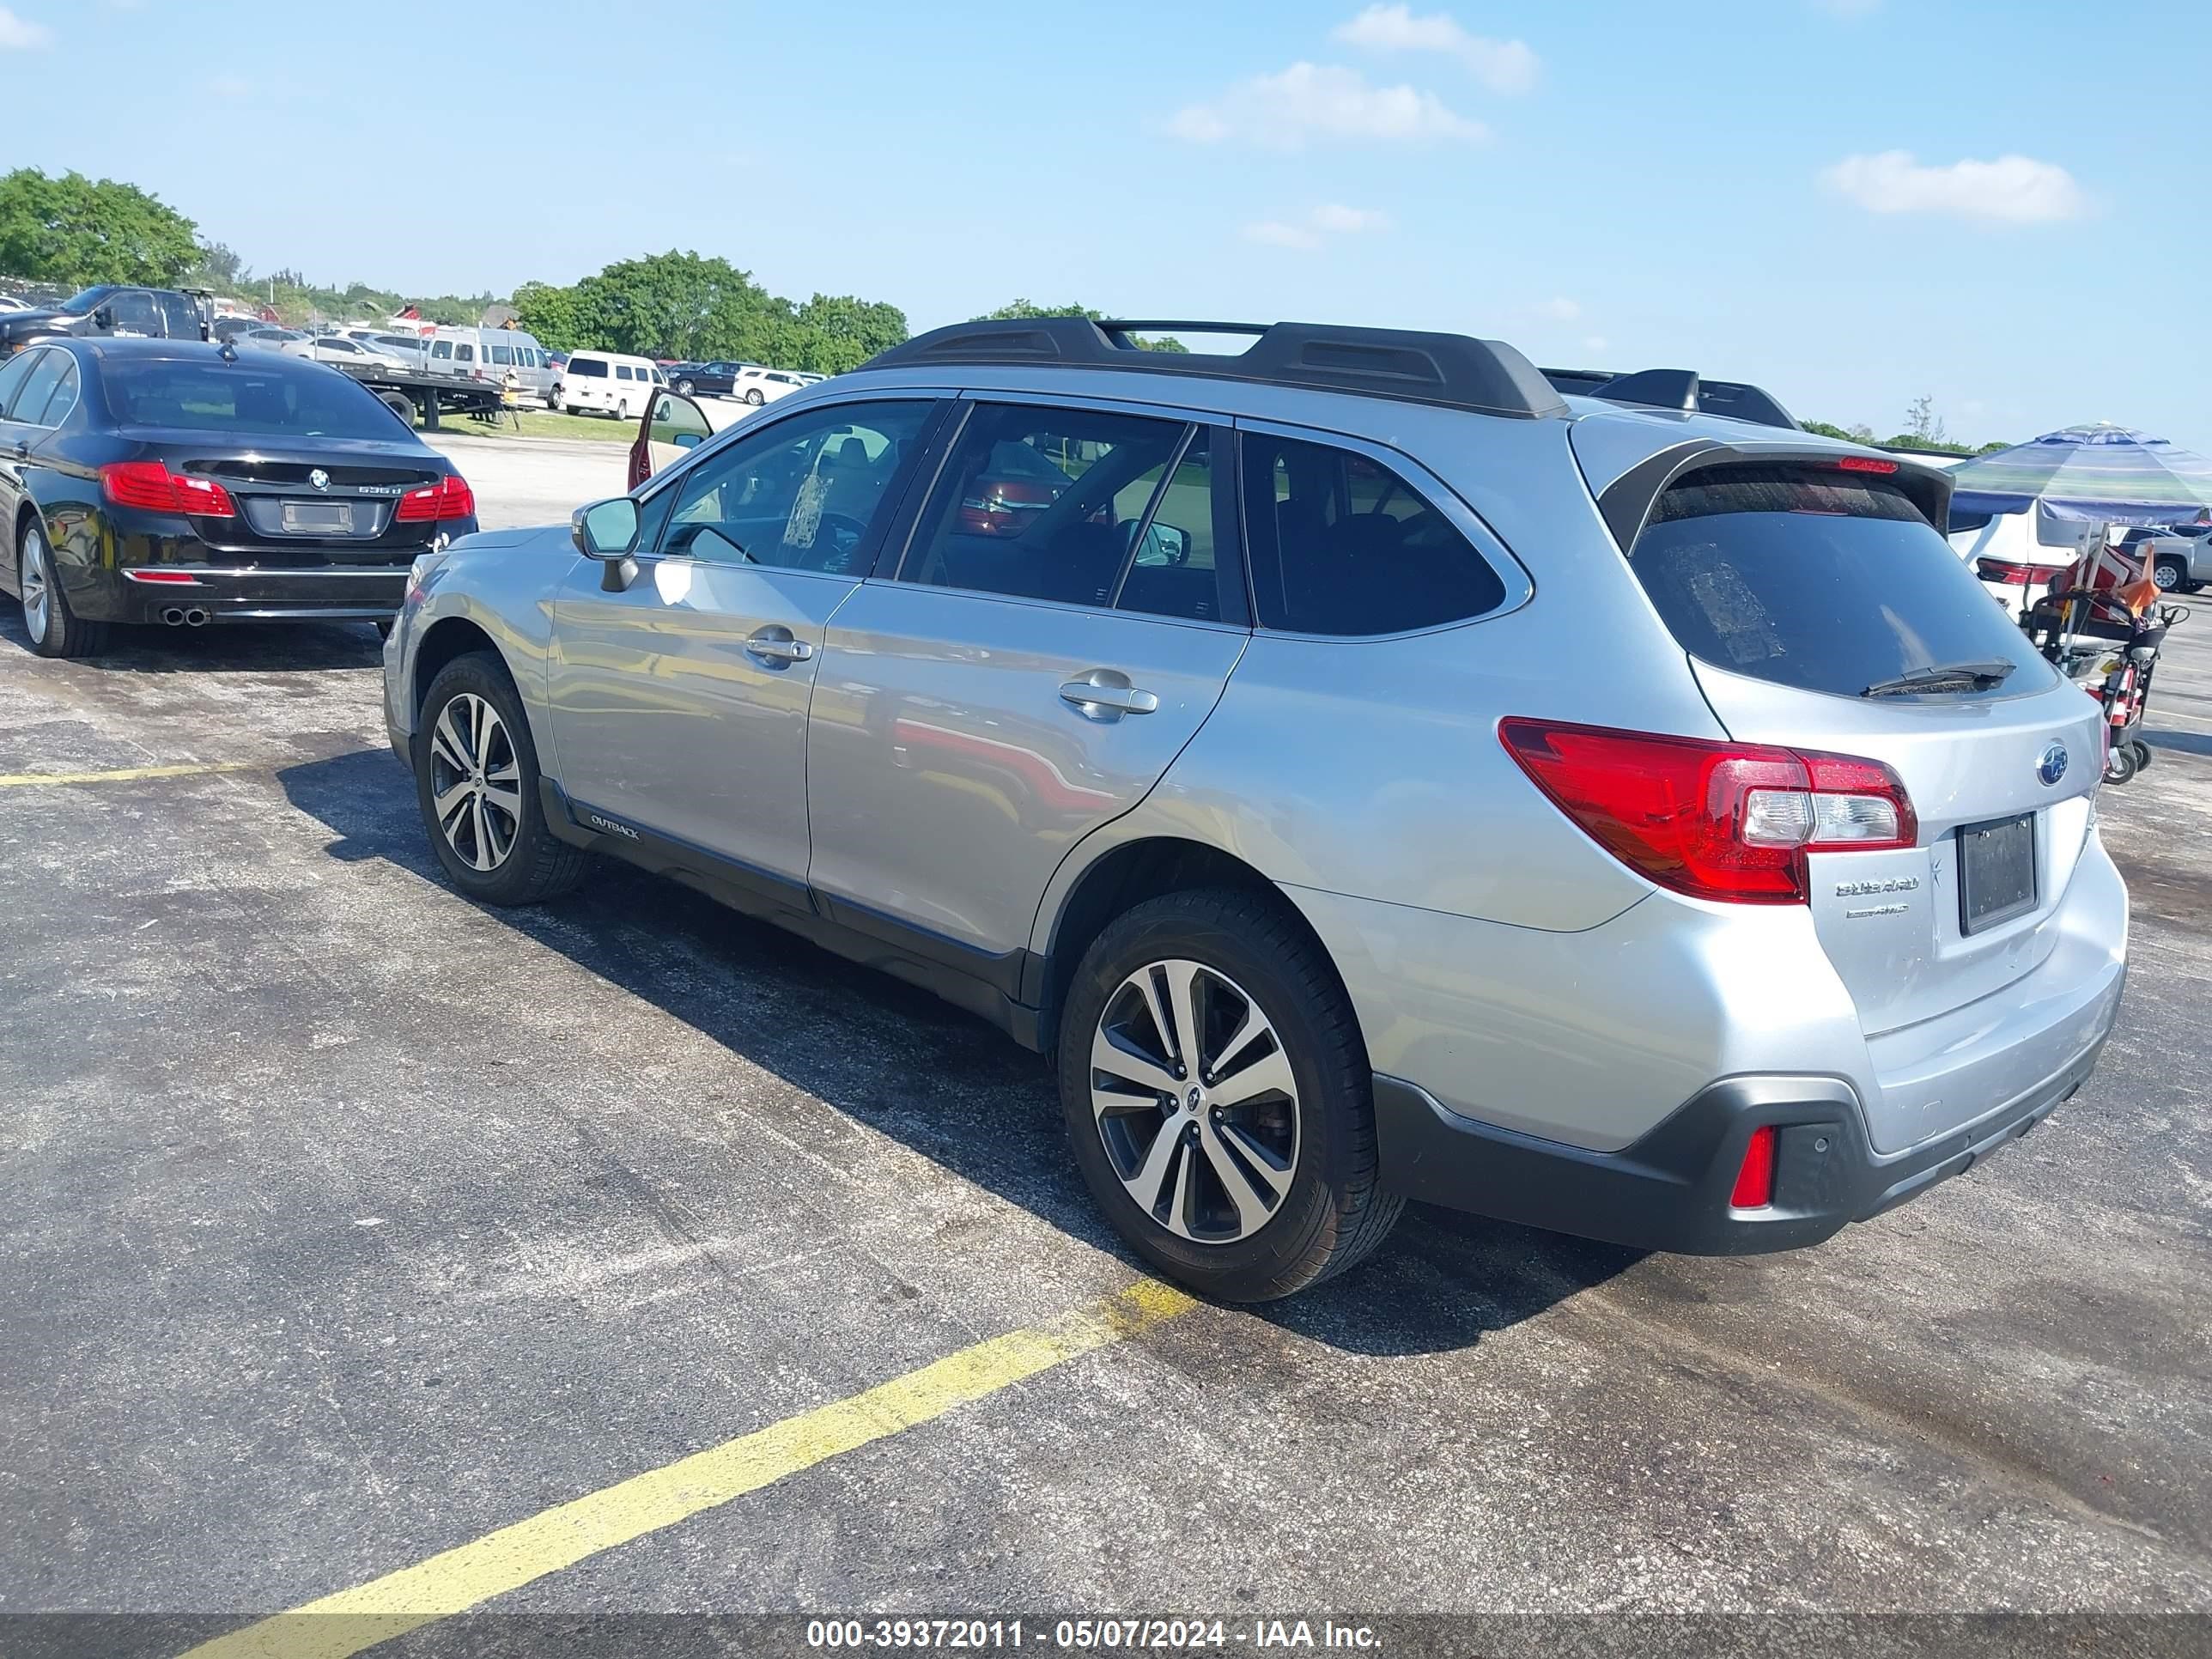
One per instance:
(622, 410)
(54, 629)
(1314, 1204)
(2142, 751)
(2120, 764)
(403, 407)
(753, 398)
(2170, 575)
(526, 863)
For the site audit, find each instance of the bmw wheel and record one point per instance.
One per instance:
(54, 629)
(476, 781)
(1218, 1099)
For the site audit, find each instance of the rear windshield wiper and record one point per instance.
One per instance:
(1952, 677)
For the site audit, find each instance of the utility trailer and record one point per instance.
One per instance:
(410, 395)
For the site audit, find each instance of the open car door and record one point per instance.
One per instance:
(672, 424)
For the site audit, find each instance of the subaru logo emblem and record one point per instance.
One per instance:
(2052, 766)
(321, 480)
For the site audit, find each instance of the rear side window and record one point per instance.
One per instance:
(589, 368)
(1049, 504)
(46, 374)
(500, 354)
(622, 371)
(179, 316)
(1817, 579)
(1342, 545)
(465, 353)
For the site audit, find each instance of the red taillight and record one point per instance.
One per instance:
(449, 498)
(151, 484)
(1864, 464)
(169, 578)
(1754, 1181)
(1715, 820)
(2003, 570)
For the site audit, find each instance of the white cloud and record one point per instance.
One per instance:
(1317, 225)
(1310, 101)
(2015, 189)
(1594, 342)
(1341, 221)
(1501, 65)
(229, 86)
(1559, 309)
(21, 34)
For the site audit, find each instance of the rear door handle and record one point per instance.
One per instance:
(1105, 694)
(777, 648)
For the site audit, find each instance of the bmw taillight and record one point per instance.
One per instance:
(2003, 570)
(152, 484)
(1723, 821)
(449, 498)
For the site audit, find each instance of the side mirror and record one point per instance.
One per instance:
(607, 531)
(1164, 544)
(103, 317)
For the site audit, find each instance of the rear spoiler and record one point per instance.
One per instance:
(1675, 388)
(1626, 504)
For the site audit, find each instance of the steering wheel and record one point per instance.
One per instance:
(836, 535)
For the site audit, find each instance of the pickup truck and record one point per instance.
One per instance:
(109, 309)
(2178, 559)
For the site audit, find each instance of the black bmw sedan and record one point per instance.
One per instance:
(172, 481)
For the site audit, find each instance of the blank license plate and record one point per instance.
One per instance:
(318, 517)
(1996, 871)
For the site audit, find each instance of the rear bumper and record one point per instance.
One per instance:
(334, 593)
(1669, 1189)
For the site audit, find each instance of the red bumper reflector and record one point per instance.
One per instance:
(170, 578)
(1754, 1182)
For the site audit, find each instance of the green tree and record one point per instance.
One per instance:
(1025, 308)
(551, 314)
(74, 231)
(831, 333)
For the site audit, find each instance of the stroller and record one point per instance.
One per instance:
(2098, 641)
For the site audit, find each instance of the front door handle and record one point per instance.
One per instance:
(1106, 694)
(776, 647)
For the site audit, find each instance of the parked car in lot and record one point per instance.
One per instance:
(1371, 776)
(270, 337)
(717, 379)
(148, 481)
(345, 352)
(606, 383)
(2177, 557)
(758, 385)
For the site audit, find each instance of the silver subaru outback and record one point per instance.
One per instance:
(1365, 771)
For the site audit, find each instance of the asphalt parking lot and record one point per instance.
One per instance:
(348, 1225)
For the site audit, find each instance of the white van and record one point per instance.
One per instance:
(608, 383)
(487, 354)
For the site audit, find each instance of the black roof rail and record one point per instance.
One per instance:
(1676, 388)
(1451, 370)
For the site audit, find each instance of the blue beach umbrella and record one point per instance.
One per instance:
(2095, 471)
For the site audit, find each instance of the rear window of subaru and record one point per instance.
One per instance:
(1818, 580)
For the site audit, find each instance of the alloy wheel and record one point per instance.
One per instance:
(476, 782)
(1195, 1100)
(38, 587)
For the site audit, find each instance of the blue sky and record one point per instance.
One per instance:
(1851, 201)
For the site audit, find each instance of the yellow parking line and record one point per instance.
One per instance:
(122, 774)
(337, 1626)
